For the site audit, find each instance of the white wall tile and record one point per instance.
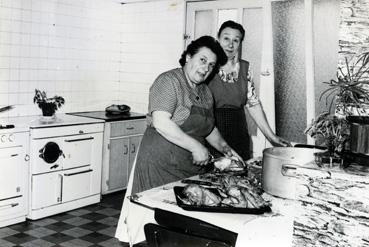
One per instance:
(92, 52)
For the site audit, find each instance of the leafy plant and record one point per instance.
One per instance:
(334, 131)
(48, 105)
(351, 86)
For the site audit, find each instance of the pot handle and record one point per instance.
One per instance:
(288, 170)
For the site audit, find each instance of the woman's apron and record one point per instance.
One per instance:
(231, 123)
(159, 162)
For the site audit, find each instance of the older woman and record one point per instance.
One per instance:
(180, 119)
(233, 89)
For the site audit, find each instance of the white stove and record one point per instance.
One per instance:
(65, 164)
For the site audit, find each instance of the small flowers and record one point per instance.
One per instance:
(48, 105)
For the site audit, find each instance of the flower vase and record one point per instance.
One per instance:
(329, 158)
(48, 112)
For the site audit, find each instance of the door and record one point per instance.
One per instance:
(76, 183)
(118, 163)
(205, 18)
(134, 145)
(46, 189)
(10, 166)
(77, 151)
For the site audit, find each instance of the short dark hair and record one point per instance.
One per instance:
(208, 42)
(233, 25)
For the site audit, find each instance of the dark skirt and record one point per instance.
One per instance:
(232, 125)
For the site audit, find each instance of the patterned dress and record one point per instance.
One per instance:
(160, 161)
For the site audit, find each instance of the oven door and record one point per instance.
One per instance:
(46, 155)
(78, 151)
(77, 183)
(10, 165)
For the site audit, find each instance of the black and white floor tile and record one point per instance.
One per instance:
(91, 226)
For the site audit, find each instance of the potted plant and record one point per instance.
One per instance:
(349, 92)
(334, 132)
(47, 105)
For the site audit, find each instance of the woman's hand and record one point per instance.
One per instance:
(229, 152)
(277, 141)
(200, 155)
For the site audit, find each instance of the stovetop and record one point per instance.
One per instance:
(109, 117)
(25, 123)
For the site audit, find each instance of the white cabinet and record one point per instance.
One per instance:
(13, 177)
(121, 142)
(49, 190)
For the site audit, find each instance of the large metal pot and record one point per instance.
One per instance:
(279, 169)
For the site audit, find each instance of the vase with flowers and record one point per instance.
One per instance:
(334, 133)
(48, 105)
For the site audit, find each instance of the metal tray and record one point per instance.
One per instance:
(178, 191)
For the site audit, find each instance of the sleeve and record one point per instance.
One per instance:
(162, 96)
(252, 97)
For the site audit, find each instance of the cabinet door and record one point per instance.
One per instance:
(74, 146)
(10, 167)
(46, 190)
(134, 144)
(118, 163)
(77, 183)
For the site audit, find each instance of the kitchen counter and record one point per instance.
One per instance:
(331, 209)
(109, 117)
(332, 206)
(24, 123)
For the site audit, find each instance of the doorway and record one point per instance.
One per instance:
(205, 18)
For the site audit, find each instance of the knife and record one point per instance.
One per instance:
(199, 182)
(6, 108)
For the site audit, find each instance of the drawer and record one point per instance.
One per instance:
(13, 207)
(125, 128)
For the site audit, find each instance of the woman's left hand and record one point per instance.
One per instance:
(229, 152)
(277, 141)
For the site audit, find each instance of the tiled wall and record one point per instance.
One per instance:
(91, 52)
(69, 48)
(152, 42)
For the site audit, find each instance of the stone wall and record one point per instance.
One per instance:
(354, 28)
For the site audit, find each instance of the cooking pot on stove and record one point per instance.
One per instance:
(279, 168)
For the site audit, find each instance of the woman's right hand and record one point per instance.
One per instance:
(200, 155)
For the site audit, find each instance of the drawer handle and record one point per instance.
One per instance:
(125, 149)
(77, 173)
(78, 140)
(130, 128)
(10, 205)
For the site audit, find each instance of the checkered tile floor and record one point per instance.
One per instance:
(93, 226)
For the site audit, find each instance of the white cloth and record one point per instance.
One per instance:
(132, 217)
(272, 229)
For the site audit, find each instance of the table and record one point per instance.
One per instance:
(269, 229)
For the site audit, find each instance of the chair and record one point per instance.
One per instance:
(175, 230)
